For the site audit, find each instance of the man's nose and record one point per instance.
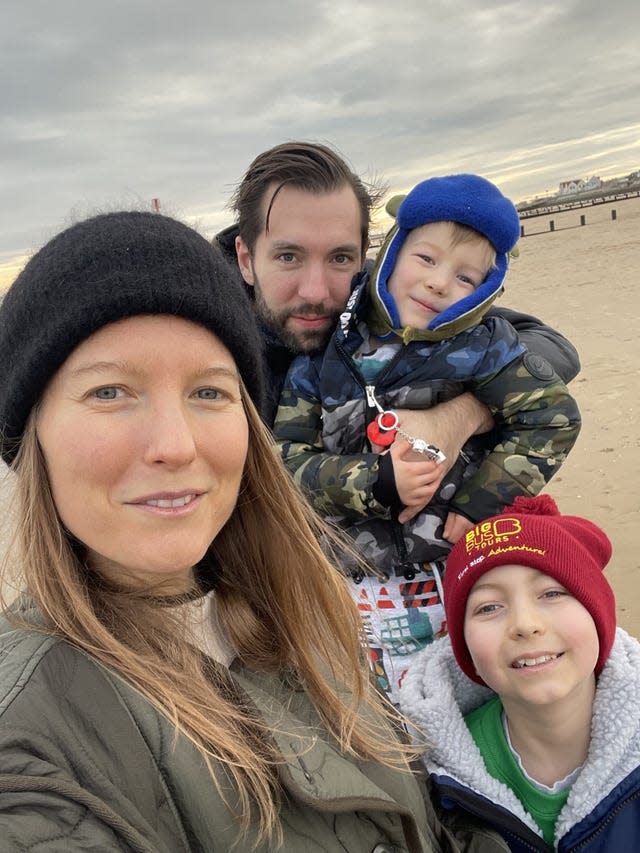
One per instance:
(314, 284)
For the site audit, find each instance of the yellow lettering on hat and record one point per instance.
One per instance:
(520, 548)
(488, 533)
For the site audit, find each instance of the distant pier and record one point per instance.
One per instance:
(558, 204)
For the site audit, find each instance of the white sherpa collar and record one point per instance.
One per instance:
(436, 694)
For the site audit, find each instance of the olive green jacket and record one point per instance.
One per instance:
(88, 764)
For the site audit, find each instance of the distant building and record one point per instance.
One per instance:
(579, 185)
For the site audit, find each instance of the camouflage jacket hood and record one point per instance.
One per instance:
(323, 414)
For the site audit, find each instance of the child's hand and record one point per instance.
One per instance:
(456, 526)
(417, 478)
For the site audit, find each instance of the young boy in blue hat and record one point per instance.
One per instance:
(535, 721)
(413, 334)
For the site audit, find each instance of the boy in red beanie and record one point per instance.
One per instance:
(532, 704)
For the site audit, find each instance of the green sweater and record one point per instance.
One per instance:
(485, 725)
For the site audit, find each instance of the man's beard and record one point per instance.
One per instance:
(310, 340)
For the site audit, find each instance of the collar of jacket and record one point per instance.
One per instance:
(383, 318)
(226, 241)
(353, 310)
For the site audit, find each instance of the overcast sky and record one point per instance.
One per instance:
(110, 103)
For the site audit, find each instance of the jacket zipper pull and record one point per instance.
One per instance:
(383, 428)
(371, 398)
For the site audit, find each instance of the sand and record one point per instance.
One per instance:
(584, 281)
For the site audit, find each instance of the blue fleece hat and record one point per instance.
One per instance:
(469, 200)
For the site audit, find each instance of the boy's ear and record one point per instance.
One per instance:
(393, 204)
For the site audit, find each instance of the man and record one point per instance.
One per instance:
(302, 233)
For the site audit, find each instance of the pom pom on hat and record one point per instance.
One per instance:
(532, 532)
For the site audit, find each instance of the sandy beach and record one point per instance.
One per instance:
(584, 281)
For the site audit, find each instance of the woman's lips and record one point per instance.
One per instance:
(168, 503)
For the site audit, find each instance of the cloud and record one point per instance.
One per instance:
(115, 103)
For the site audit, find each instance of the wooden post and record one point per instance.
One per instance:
(552, 226)
(522, 230)
(613, 214)
(583, 220)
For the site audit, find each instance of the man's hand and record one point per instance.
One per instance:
(448, 425)
(417, 478)
(456, 526)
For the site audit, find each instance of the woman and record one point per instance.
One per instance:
(183, 671)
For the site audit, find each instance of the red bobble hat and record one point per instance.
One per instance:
(532, 532)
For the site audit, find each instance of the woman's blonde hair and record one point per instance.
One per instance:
(281, 603)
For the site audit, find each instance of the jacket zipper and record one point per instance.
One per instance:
(369, 390)
(374, 406)
(610, 816)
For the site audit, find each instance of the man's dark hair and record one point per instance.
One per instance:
(307, 166)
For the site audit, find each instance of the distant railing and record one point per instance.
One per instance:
(565, 226)
(574, 202)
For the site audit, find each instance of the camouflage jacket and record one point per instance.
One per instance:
(323, 414)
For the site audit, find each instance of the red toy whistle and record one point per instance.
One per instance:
(382, 429)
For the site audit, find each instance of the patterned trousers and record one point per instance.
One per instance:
(401, 615)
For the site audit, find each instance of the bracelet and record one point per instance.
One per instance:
(420, 446)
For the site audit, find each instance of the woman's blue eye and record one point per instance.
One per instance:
(208, 394)
(109, 393)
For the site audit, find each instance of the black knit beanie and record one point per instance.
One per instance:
(104, 269)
